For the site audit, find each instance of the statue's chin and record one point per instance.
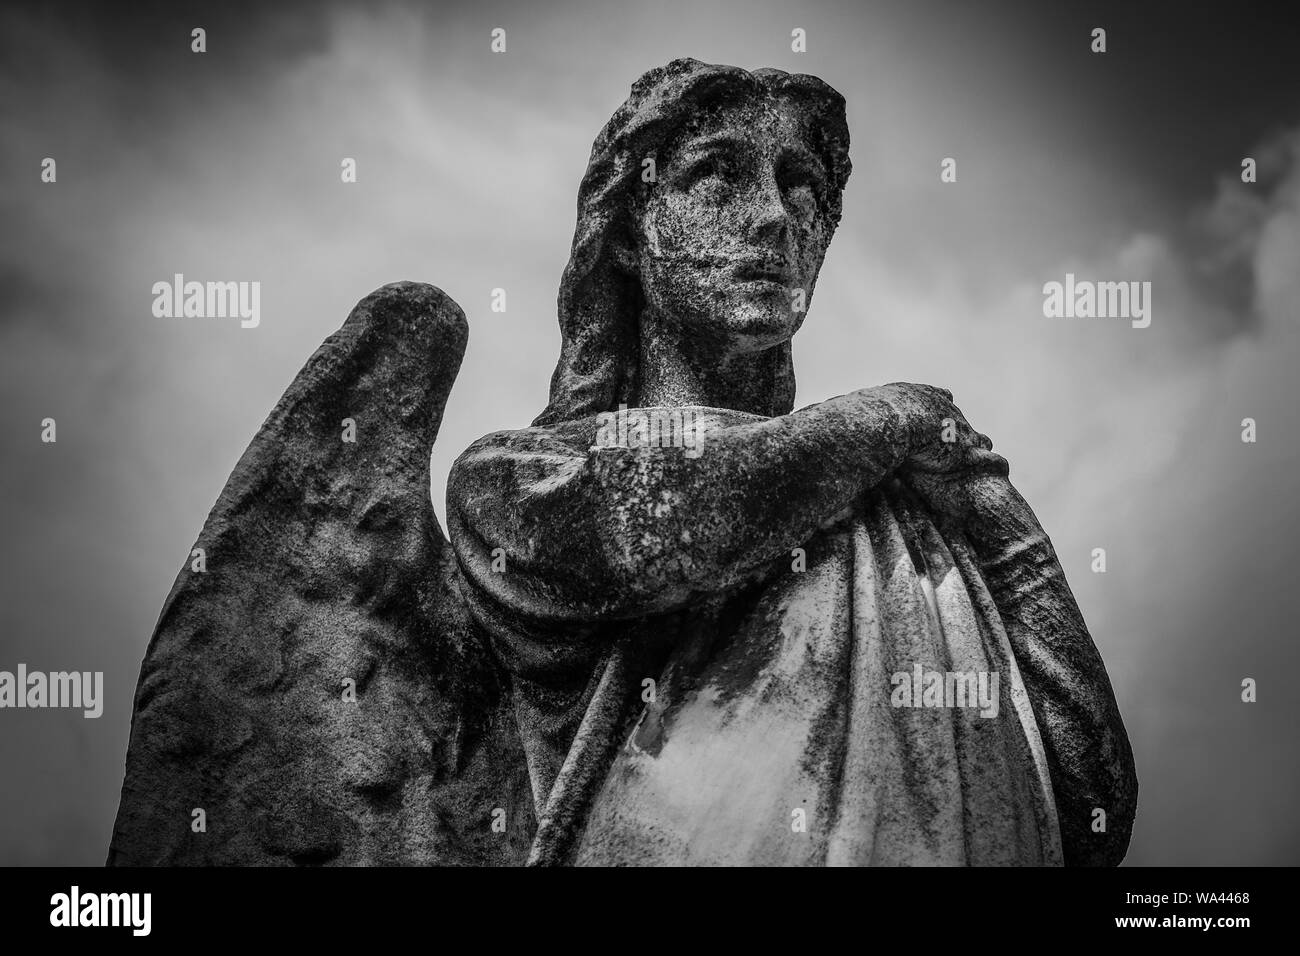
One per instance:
(757, 325)
(748, 317)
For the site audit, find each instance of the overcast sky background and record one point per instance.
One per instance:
(225, 166)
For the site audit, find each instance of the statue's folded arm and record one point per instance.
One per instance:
(565, 533)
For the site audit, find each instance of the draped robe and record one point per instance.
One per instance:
(805, 714)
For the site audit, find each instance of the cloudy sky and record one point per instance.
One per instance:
(225, 165)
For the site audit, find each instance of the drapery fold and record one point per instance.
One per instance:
(706, 669)
(784, 738)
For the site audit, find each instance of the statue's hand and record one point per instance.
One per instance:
(950, 464)
(940, 440)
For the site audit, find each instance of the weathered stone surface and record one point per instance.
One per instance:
(325, 563)
(689, 640)
(645, 565)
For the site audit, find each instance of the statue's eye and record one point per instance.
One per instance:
(717, 168)
(801, 192)
(803, 183)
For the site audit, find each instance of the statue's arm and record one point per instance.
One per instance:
(1087, 747)
(544, 524)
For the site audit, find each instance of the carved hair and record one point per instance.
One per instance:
(600, 298)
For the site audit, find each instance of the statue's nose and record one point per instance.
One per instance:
(770, 223)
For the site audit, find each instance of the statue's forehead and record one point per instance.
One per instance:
(756, 122)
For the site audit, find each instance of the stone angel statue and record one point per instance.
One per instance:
(752, 635)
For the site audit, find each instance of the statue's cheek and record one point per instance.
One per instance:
(812, 243)
(667, 225)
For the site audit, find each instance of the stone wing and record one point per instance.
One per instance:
(315, 691)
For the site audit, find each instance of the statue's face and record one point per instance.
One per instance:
(734, 230)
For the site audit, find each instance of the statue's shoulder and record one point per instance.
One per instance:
(557, 439)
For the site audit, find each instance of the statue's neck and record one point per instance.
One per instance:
(677, 372)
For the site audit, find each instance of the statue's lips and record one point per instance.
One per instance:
(761, 272)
